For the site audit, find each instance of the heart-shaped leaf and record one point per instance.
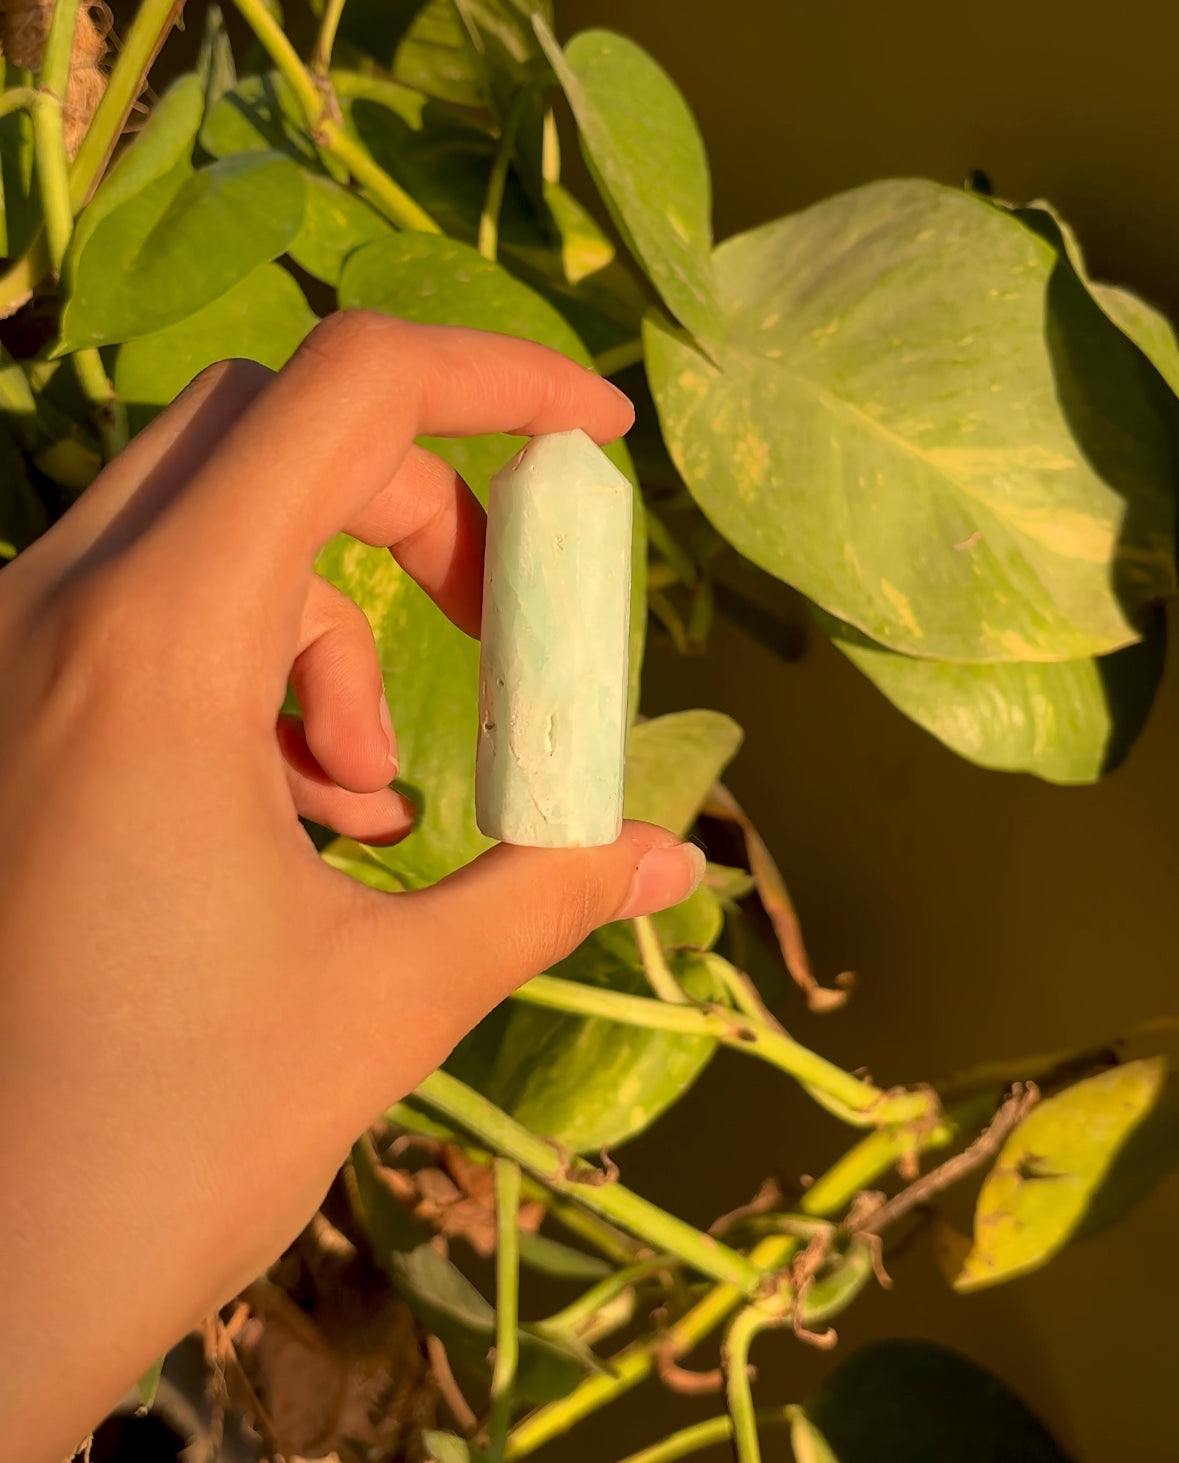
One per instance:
(160, 240)
(263, 318)
(920, 418)
(1076, 1163)
(644, 149)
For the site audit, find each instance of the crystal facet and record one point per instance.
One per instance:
(553, 661)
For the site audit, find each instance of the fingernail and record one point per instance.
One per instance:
(664, 877)
(387, 723)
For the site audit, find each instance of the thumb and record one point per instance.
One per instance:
(514, 912)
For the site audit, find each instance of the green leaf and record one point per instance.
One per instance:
(449, 1448)
(445, 1301)
(588, 1083)
(260, 114)
(550, 1257)
(1068, 721)
(693, 924)
(921, 419)
(431, 668)
(1148, 328)
(142, 260)
(642, 145)
(149, 1384)
(164, 144)
(1076, 1163)
(921, 1403)
(336, 223)
(263, 318)
(729, 884)
(672, 761)
(435, 57)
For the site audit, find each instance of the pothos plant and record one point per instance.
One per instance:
(909, 402)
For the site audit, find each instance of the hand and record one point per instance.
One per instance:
(197, 1015)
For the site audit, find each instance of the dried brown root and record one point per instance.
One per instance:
(24, 25)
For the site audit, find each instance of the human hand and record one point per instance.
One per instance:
(197, 1015)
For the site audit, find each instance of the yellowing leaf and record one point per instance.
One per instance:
(1077, 1162)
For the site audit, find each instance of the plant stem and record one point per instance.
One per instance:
(662, 1231)
(321, 57)
(18, 97)
(153, 20)
(612, 1243)
(655, 966)
(392, 200)
(49, 133)
(110, 415)
(497, 180)
(738, 1390)
(507, 1303)
(147, 33)
(54, 179)
(873, 1156)
(703, 1435)
(619, 357)
(859, 1101)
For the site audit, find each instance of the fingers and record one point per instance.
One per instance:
(435, 527)
(337, 679)
(333, 428)
(494, 924)
(380, 817)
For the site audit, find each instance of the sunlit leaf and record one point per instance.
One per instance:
(1076, 1163)
(641, 142)
(672, 761)
(920, 418)
(1067, 721)
(159, 241)
(588, 1083)
(336, 223)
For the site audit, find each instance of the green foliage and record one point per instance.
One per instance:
(911, 403)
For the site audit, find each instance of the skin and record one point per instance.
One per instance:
(198, 1016)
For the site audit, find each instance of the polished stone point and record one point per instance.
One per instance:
(553, 656)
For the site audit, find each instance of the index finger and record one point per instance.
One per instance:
(330, 431)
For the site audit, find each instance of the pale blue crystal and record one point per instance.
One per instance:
(553, 662)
